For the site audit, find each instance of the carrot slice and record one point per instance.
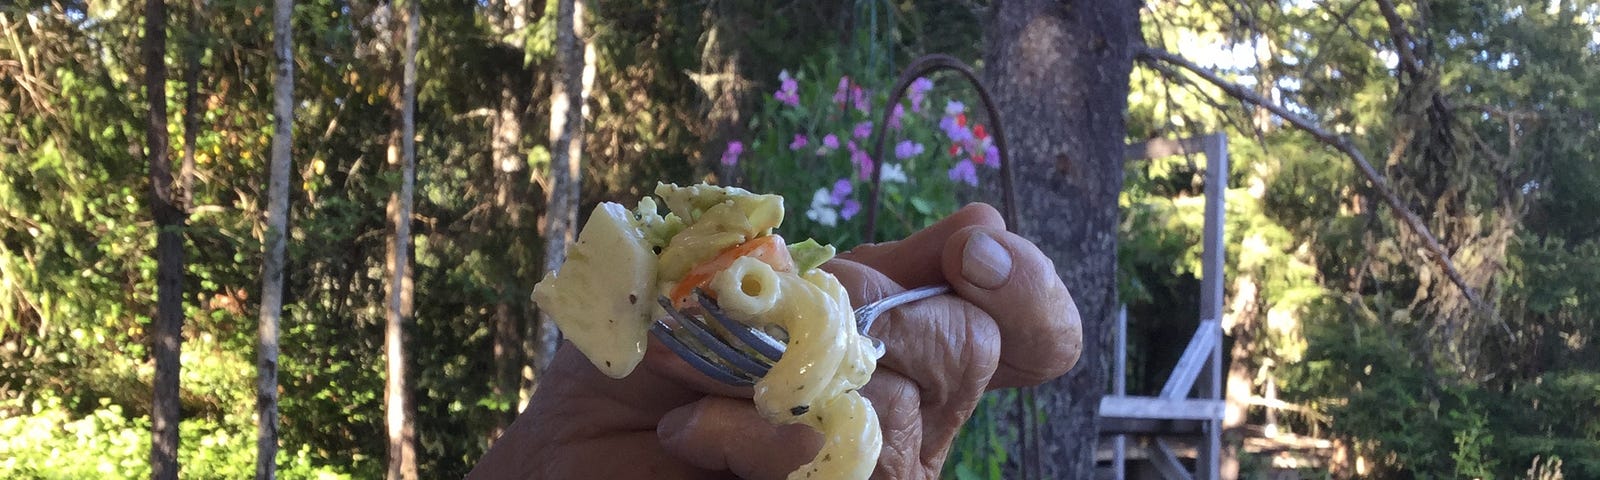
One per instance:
(768, 249)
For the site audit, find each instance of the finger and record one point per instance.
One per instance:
(899, 405)
(945, 345)
(914, 261)
(726, 434)
(1016, 284)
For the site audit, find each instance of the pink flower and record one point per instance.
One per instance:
(863, 163)
(850, 209)
(859, 97)
(863, 130)
(799, 142)
(895, 115)
(731, 156)
(830, 142)
(843, 93)
(964, 172)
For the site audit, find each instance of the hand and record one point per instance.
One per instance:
(1010, 323)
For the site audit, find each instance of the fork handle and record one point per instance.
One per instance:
(870, 312)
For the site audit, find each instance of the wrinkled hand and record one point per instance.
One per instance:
(1009, 323)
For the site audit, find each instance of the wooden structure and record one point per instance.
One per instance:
(1174, 415)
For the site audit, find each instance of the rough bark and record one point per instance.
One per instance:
(399, 417)
(272, 268)
(566, 155)
(169, 217)
(1060, 76)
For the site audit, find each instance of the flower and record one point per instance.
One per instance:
(859, 97)
(893, 173)
(863, 130)
(789, 92)
(842, 94)
(994, 155)
(821, 209)
(731, 156)
(799, 142)
(952, 108)
(830, 142)
(862, 162)
(919, 92)
(907, 149)
(964, 172)
(955, 128)
(850, 209)
(895, 115)
(841, 190)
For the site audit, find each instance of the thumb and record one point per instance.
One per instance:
(726, 434)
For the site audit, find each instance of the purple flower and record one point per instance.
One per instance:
(789, 92)
(799, 142)
(863, 130)
(850, 209)
(964, 172)
(953, 108)
(953, 129)
(907, 149)
(731, 156)
(862, 162)
(843, 93)
(919, 92)
(830, 142)
(859, 97)
(993, 154)
(841, 189)
(895, 115)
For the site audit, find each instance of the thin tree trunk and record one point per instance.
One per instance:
(1060, 74)
(566, 156)
(169, 217)
(1244, 327)
(277, 230)
(402, 462)
(509, 196)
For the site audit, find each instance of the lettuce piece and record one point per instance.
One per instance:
(809, 254)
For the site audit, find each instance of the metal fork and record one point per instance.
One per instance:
(739, 354)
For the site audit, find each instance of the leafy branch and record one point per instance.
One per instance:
(1163, 61)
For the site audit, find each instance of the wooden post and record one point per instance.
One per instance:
(1211, 281)
(1119, 387)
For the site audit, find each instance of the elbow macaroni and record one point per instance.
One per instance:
(825, 362)
(603, 299)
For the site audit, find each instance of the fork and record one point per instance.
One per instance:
(739, 354)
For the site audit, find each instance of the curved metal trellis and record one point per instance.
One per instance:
(925, 65)
(922, 66)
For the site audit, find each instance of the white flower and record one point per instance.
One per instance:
(893, 173)
(822, 210)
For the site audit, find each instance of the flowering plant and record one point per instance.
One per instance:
(813, 140)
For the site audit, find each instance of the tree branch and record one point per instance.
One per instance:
(1404, 44)
(1160, 61)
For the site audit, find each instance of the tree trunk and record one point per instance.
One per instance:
(1060, 74)
(402, 462)
(1242, 322)
(277, 231)
(566, 155)
(169, 217)
(509, 193)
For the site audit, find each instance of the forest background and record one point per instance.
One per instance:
(1479, 114)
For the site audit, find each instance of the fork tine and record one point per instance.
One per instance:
(757, 340)
(711, 341)
(694, 358)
